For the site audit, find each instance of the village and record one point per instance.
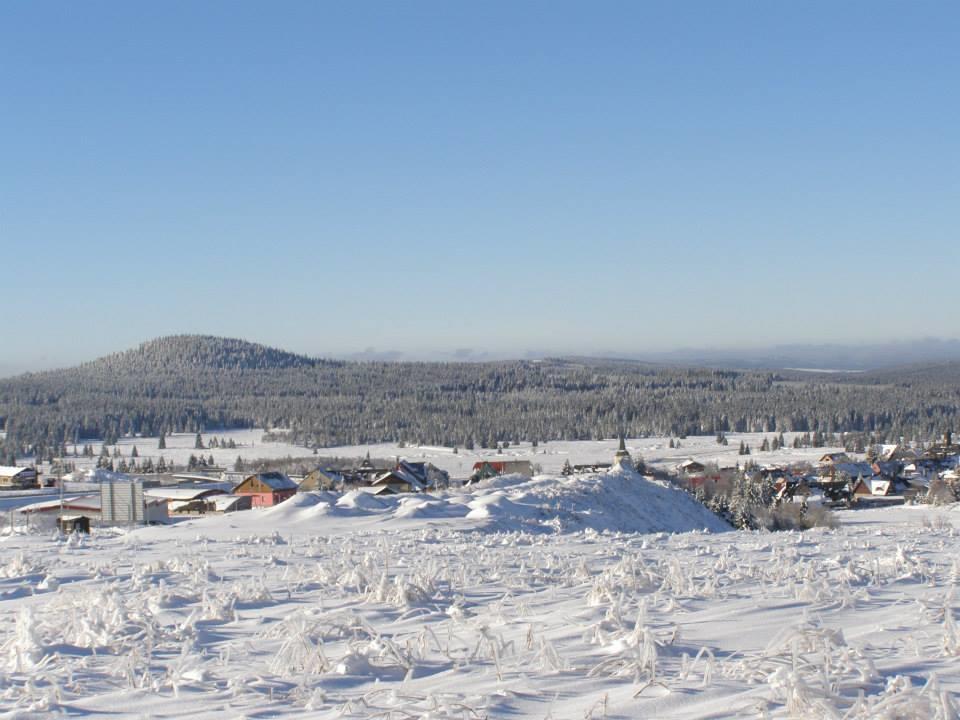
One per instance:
(882, 475)
(891, 474)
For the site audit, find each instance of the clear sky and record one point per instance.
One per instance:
(418, 176)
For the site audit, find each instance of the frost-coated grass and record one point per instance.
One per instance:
(249, 615)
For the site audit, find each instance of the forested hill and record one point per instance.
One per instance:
(190, 383)
(179, 353)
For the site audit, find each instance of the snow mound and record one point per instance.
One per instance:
(360, 500)
(426, 508)
(618, 501)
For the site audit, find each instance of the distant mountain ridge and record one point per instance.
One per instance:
(827, 356)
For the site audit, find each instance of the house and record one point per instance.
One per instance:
(491, 468)
(691, 467)
(797, 489)
(395, 481)
(887, 468)
(896, 452)
(429, 475)
(880, 486)
(872, 485)
(834, 458)
(851, 470)
(876, 486)
(321, 479)
(186, 500)
(267, 488)
(368, 470)
(18, 478)
(941, 451)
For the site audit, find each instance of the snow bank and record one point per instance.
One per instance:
(618, 501)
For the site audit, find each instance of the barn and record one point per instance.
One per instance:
(267, 488)
(89, 506)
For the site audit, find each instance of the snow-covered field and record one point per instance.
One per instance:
(180, 446)
(548, 598)
(550, 455)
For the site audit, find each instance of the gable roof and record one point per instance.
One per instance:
(312, 479)
(875, 485)
(222, 503)
(11, 471)
(273, 480)
(88, 503)
(398, 475)
(181, 493)
(834, 457)
(854, 469)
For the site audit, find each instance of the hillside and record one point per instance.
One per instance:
(185, 353)
(192, 383)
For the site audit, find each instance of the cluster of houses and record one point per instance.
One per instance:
(891, 474)
(200, 494)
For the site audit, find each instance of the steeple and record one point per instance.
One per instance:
(622, 457)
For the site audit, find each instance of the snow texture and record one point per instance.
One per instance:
(583, 597)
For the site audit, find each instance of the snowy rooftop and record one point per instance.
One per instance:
(10, 470)
(276, 481)
(181, 493)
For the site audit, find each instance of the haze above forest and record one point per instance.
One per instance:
(812, 356)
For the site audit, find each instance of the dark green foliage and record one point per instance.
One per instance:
(192, 383)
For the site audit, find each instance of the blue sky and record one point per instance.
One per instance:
(507, 177)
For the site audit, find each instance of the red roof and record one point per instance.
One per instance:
(497, 465)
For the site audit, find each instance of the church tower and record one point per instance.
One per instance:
(622, 457)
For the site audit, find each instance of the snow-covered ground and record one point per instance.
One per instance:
(547, 598)
(180, 446)
(550, 455)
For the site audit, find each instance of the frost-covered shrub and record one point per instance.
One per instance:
(19, 565)
(794, 516)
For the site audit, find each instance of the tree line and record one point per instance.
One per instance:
(198, 384)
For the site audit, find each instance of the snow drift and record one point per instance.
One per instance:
(617, 501)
